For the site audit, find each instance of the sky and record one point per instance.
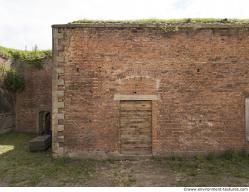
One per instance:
(26, 23)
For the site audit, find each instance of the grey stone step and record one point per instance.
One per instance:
(40, 143)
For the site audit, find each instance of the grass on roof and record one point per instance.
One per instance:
(184, 20)
(16, 53)
(34, 58)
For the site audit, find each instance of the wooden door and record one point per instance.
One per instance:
(135, 127)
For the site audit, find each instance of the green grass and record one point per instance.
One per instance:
(34, 58)
(19, 167)
(226, 169)
(16, 53)
(183, 20)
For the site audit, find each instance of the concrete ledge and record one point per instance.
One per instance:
(136, 97)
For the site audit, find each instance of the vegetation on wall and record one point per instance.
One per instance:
(33, 58)
(9, 78)
(184, 20)
(166, 28)
(11, 81)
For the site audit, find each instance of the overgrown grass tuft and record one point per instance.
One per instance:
(33, 58)
(183, 20)
(12, 81)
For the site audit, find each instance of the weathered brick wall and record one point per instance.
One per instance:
(7, 121)
(20, 111)
(200, 75)
(7, 112)
(36, 96)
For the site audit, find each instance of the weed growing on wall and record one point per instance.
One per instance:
(33, 58)
(11, 81)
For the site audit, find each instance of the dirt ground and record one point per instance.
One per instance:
(19, 167)
(134, 173)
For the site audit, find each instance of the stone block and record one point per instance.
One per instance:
(40, 143)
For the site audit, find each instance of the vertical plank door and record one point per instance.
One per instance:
(136, 127)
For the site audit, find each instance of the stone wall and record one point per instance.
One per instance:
(199, 74)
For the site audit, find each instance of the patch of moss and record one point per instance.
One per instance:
(12, 81)
(183, 20)
(33, 58)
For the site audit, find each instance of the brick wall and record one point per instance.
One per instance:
(35, 97)
(199, 73)
(7, 121)
(7, 112)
